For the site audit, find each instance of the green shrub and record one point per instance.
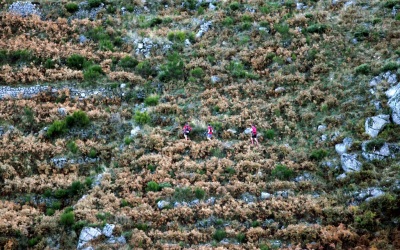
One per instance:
(153, 186)
(390, 66)
(72, 147)
(79, 225)
(255, 223)
(144, 68)
(77, 119)
(269, 134)
(94, 3)
(75, 188)
(128, 62)
(127, 140)
(177, 36)
(317, 28)
(363, 69)
(33, 241)
(183, 194)
(124, 203)
(219, 235)
(67, 218)
(152, 100)
(47, 193)
(49, 64)
(142, 226)
(88, 182)
(241, 237)
(92, 153)
(228, 21)
(76, 61)
(265, 9)
(282, 172)
(234, 6)
(71, 7)
(199, 193)
(237, 69)
(397, 17)
(57, 128)
(245, 26)
(106, 45)
(50, 211)
(152, 168)
(60, 193)
(282, 29)
(318, 154)
(20, 56)
(141, 118)
(56, 205)
(230, 170)
(247, 18)
(173, 69)
(197, 72)
(92, 73)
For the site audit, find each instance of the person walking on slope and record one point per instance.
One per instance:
(209, 132)
(186, 130)
(254, 135)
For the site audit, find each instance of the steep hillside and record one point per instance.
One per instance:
(94, 95)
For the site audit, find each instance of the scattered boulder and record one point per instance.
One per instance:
(375, 124)
(321, 128)
(394, 102)
(279, 90)
(265, 196)
(87, 234)
(162, 204)
(108, 230)
(135, 131)
(62, 111)
(248, 198)
(341, 148)
(215, 79)
(203, 29)
(350, 162)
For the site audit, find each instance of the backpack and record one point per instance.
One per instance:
(210, 130)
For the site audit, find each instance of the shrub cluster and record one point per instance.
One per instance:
(77, 119)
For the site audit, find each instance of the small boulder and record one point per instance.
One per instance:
(108, 230)
(375, 124)
(87, 234)
(162, 204)
(265, 196)
(321, 128)
(350, 162)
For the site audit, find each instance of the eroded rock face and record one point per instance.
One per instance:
(394, 102)
(350, 163)
(341, 148)
(375, 124)
(108, 230)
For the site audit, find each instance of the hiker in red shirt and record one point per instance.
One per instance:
(209, 132)
(254, 135)
(186, 130)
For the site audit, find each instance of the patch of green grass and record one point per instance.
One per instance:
(363, 69)
(219, 235)
(390, 66)
(72, 147)
(128, 63)
(197, 72)
(71, 7)
(141, 118)
(93, 73)
(153, 186)
(282, 28)
(317, 28)
(92, 153)
(76, 61)
(152, 100)
(282, 172)
(57, 128)
(318, 154)
(67, 218)
(199, 193)
(228, 21)
(234, 6)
